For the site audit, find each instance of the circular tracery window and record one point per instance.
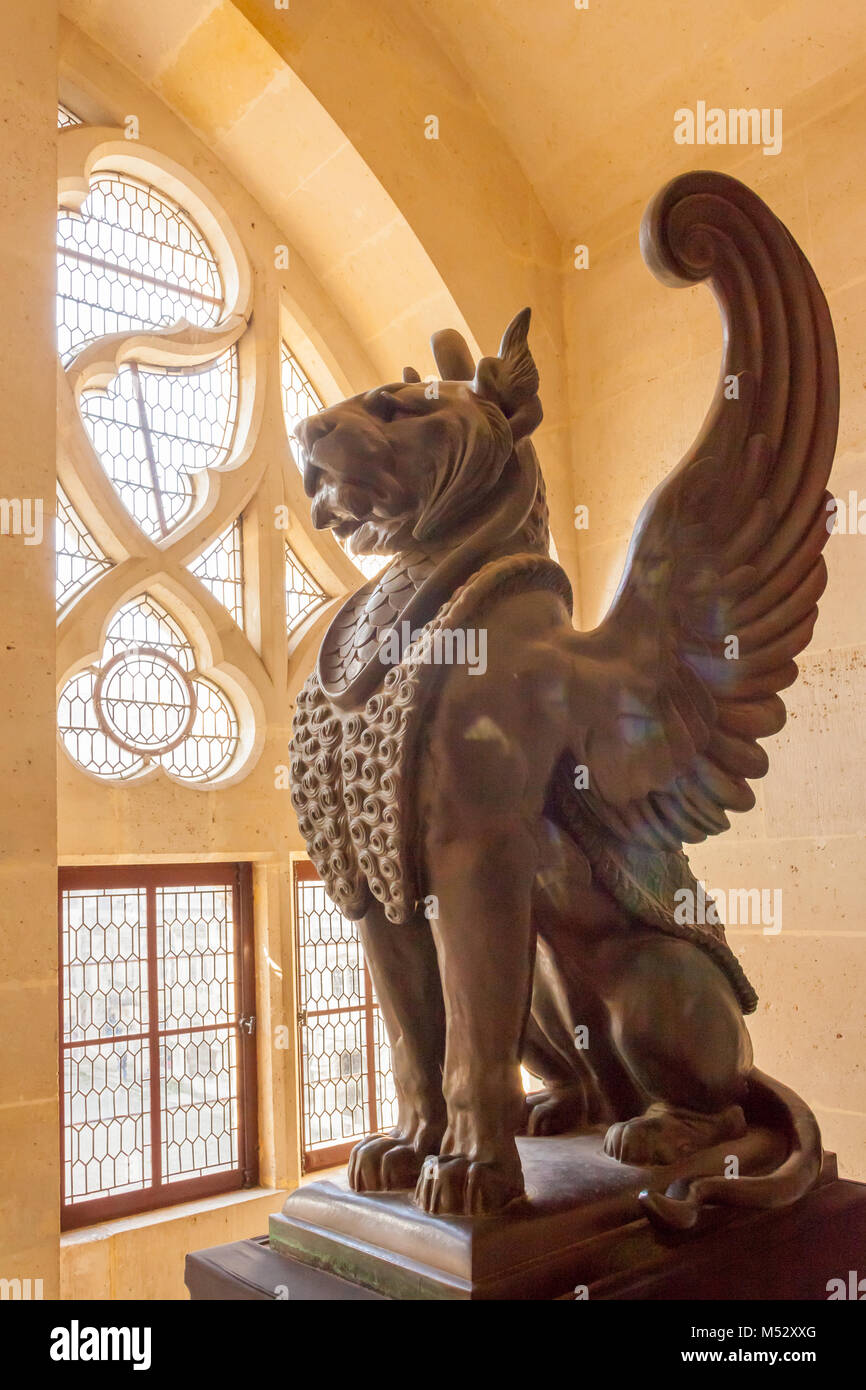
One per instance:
(146, 703)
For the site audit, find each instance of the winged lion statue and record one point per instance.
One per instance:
(505, 901)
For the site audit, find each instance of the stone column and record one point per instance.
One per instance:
(29, 1146)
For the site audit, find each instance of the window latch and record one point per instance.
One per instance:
(248, 1021)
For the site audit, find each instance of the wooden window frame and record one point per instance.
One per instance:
(160, 1194)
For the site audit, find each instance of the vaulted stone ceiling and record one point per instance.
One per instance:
(585, 98)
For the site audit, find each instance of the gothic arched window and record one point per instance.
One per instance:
(168, 566)
(304, 595)
(151, 348)
(130, 258)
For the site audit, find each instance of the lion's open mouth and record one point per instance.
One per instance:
(356, 490)
(370, 517)
(340, 507)
(357, 522)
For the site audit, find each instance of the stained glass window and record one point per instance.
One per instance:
(157, 1047)
(65, 117)
(303, 594)
(220, 567)
(301, 399)
(154, 429)
(131, 258)
(347, 1083)
(79, 559)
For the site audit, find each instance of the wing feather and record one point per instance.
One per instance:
(729, 545)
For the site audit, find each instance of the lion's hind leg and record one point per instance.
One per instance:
(568, 1042)
(681, 1033)
(571, 1098)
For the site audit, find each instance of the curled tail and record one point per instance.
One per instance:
(772, 1103)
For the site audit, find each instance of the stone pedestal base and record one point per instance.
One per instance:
(580, 1226)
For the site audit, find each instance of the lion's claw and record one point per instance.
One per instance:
(555, 1112)
(665, 1134)
(384, 1163)
(455, 1186)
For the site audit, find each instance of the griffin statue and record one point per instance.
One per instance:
(504, 899)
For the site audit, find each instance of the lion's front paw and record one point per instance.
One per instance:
(454, 1185)
(664, 1134)
(384, 1163)
(555, 1112)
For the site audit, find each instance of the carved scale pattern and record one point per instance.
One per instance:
(353, 638)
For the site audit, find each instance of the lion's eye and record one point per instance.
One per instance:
(381, 403)
(387, 401)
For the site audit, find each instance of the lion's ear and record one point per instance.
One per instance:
(454, 361)
(511, 379)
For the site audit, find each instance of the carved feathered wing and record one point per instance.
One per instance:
(721, 583)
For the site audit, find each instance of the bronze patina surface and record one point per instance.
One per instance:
(579, 1224)
(503, 801)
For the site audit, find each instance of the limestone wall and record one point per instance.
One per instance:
(643, 362)
(29, 1152)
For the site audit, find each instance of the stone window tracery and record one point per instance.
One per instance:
(150, 348)
(160, 472)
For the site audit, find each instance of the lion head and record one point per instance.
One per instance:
(416, 461)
